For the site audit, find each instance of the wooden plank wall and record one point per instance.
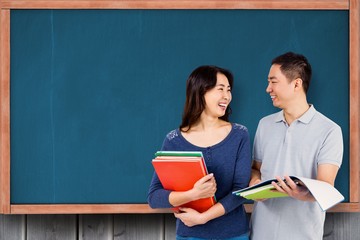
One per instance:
(338, 226)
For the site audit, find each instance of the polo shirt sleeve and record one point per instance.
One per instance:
(332, 149)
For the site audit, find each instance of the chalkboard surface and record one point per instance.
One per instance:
(94, 92)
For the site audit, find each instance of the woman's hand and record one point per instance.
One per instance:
(204, 187)
(189, 217)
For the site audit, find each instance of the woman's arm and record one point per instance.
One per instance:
(204, 188)
(191, 217)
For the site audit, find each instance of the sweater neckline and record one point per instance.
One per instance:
(212, 146)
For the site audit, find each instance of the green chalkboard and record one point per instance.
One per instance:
(94, 92)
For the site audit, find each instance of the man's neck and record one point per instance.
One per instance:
(295, 111)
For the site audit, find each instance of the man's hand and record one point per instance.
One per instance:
(297, 191)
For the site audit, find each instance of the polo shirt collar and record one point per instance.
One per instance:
(279, 117)
(305, 118)
(308, 115)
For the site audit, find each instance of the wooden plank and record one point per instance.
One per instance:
(341, 226)
(44, 227)
(5, 111)
(94, 227)
(176, 4)
(127, 208)
(127, 226)
(170, 226)
(338, 226)
(354, 62)
(12, 227)
(341, 207)
(84, 209)
(329, 227)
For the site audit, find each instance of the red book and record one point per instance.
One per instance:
(180, 173)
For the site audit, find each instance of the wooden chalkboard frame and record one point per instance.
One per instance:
(353, 6)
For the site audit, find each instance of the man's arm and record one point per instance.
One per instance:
(327, 173)
(255, 173)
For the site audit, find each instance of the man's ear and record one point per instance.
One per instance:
(298, 83)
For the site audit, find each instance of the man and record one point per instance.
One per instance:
(299, 141)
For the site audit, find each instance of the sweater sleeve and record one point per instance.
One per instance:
(158, 197)
(242, 173)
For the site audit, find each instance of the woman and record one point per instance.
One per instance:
(226, 148)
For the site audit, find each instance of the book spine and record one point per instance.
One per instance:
(178, 154)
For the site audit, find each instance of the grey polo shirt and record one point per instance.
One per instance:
(297, 149)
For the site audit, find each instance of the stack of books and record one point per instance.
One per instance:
(179, 171)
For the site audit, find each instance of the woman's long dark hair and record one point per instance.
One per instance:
(201, 80)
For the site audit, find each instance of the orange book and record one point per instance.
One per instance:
(179, 172)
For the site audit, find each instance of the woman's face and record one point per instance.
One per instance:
(218, 98)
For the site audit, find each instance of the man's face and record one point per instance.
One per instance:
(281, 90)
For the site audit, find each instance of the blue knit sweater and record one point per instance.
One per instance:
(230, 162)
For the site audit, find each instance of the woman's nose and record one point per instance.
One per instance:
(227, 96)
